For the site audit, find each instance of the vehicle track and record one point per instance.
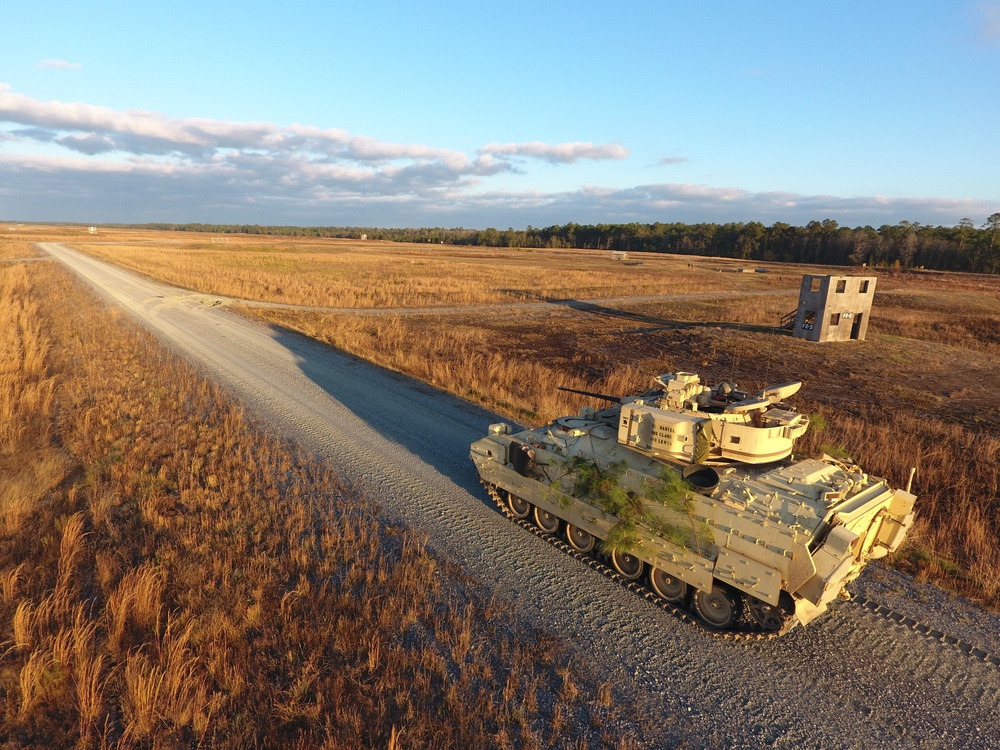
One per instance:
(853, 679)
(747, 631)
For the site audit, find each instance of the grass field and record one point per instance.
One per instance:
(924, 381)
(147, 599)
(170, 576)
(919, 393)
(352, 274)
(927, 400)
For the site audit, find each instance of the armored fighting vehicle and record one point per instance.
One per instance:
(696, 491)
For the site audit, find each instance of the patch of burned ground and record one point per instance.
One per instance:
(884, 374)
(947, 302)
(976, 332)
(887, 372)
(890, 373)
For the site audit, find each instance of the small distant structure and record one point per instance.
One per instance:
(364, 236)
(619, 255)
(92, 230)
(832, 308)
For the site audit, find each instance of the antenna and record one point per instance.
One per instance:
(732, 372)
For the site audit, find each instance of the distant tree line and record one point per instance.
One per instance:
(963, 247)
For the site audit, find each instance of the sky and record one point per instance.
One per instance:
(512, 114)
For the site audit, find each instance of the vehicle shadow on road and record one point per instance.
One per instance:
(431, 424)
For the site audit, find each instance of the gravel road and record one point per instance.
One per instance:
(853, 679)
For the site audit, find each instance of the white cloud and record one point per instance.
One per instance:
(94, 129)
(987, 18)
(77, 116)
(242, 187)
(80, 162)
(668, 160)
(557, 153)
(274, 158)
(58, 65)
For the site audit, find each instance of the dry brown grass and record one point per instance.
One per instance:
(926, 399)
(955, 542)
(924, 382)
(351, 274)
(925, 372)
(187, 581)
(965, 317)
(16, 248)
(31, 467)
(27, 234)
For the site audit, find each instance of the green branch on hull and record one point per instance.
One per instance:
(637, 508)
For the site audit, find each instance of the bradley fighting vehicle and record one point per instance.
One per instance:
(697, 488)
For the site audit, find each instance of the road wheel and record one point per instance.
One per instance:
(666, 586)
(770, 616)
(719, 608)
(518, 506)
(547, 522)
(580, 540)
(628, 565)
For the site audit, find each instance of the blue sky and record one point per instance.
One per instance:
(505, 114)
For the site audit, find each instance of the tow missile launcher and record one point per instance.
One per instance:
(697, 490)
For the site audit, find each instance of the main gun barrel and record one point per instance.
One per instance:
(612, 399)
